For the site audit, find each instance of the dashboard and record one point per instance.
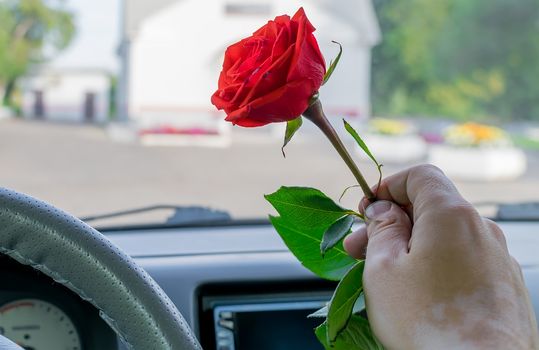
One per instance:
(232, 284)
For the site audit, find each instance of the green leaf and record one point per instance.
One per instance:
(359, 305)
(305, 245)
(336, 232)
(305, 215)
(332, 64)
(291, 127)
(364, 147)
(359, 141)
(323, 312)
(356, 336)
(320, 313)
(306, 207)
(343, 300)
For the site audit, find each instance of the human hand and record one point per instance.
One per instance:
(438, 275)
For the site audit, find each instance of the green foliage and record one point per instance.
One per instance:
(344, 298)
(359, 306)
(336, 232)
(526, 142)
(344, 328)
(28, 29)
(291, 127)
(310, 220)
(457, 58)
(364, 147)
(305, 215)
(307, 206)
(357, 335)
(305, 245)
(333, 64)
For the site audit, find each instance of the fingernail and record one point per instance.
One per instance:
(377, 208)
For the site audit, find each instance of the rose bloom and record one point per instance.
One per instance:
(270, 76)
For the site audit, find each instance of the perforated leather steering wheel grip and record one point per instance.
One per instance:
(77, 256)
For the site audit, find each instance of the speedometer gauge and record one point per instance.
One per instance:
(38, 325)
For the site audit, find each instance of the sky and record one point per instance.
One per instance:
(98, 32)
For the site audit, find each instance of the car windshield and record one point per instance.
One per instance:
(105, 105)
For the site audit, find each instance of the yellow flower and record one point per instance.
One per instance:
(474, 134)
(389, 126)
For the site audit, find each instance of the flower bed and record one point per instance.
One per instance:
(398, 149)
(481, 164)
(479, 153)
(394, 141)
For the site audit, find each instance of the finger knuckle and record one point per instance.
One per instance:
(435, 183)
(425, 174)
(426, 169)
(379, 262)
(517, 268)
(496, 231)
(516, 264)
(460, 210)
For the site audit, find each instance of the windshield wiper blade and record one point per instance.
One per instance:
(187, 215)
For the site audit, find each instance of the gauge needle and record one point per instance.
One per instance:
(26, 347)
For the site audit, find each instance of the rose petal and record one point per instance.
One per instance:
(281, 105)
(272, 78)
(306, 65)
(308, 61)
(222, 98)
(284, 104)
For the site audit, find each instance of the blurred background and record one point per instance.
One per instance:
(105, 105)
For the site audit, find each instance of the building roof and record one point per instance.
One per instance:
(134, 12)
(356, 14)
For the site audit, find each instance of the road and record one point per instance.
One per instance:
(78, 168)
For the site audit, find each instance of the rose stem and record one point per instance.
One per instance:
(315, 114)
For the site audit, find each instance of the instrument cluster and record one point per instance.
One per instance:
(39, 314)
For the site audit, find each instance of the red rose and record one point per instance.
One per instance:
(271, 76)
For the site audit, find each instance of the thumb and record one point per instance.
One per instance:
(388, 230)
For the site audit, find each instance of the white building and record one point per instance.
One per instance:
(68, 95)
(171, 53)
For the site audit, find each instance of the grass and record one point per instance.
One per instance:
(526, 142)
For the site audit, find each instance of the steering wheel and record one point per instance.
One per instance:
(77, 256)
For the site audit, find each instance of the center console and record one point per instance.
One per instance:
(262, 320)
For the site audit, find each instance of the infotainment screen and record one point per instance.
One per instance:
(267, 326)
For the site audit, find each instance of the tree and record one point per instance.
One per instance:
(458, 58)
(402, 63)
(31, 32)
